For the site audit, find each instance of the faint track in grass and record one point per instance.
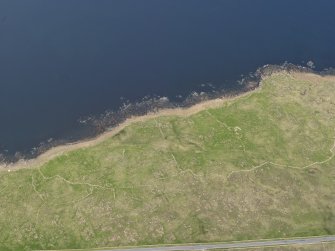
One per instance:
(232, 245)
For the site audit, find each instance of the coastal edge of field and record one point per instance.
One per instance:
(256, 166)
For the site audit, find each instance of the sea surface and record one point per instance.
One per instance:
(63, 61)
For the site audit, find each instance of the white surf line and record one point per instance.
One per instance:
(180, 112)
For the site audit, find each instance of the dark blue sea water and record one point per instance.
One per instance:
(67, 59)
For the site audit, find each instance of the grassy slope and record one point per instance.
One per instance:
(327, 246)
(188, 179)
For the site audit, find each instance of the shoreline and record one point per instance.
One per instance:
(58, 150)
(179, 111)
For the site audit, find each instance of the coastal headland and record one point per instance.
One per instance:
(256, 166)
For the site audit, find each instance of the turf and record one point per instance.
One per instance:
(326, 246)
(260, 166)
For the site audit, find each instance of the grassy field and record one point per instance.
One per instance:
(327, 246)
(260, 166)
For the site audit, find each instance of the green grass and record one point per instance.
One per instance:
(327, 246)
(241, 171)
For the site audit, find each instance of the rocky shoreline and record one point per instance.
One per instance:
(98, 125)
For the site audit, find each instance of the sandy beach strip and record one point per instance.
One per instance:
(182, 112)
